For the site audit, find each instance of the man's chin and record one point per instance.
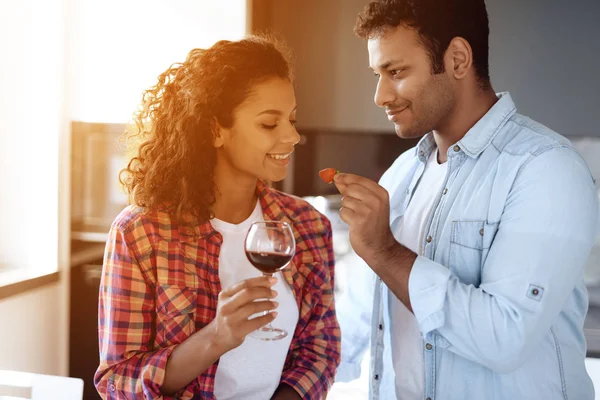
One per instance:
(404, 133)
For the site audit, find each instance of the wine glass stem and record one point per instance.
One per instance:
(268, 326)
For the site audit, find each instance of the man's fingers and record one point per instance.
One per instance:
(353, 204)
(347, 215)
(346, 179)
(363, 194)
(341, 187)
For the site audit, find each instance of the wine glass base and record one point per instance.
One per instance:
(268, 333)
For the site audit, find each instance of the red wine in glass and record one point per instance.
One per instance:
(267, 262)
(270, 246)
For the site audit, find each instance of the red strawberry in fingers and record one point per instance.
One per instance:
(327, 174)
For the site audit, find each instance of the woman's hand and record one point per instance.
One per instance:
(236, 304)
(224, 333)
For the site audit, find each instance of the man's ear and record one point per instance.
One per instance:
(459, 57)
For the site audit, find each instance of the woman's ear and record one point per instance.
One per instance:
(219, 134)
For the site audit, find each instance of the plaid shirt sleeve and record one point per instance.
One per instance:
(313, 365)
(130, 368)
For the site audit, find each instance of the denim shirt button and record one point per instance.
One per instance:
(376, 377)
(428, 346)
(456, 148)
(428, 239)
(445, 191)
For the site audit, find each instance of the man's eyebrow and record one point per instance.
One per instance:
(388, 63)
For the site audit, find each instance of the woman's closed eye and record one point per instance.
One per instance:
(273, 126)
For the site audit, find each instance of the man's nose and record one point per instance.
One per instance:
(384, 93)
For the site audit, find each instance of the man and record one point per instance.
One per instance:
(476, 239)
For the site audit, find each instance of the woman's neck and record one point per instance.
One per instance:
(235, 197)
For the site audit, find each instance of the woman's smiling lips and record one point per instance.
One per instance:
(281, 159)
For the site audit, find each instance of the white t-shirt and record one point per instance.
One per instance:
(253, 370)
(407, 341)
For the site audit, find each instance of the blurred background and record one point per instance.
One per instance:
(72, 73)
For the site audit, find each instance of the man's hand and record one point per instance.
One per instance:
(366, 209)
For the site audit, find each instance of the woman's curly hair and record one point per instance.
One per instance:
(173, 168)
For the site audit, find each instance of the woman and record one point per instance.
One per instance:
(177, 290)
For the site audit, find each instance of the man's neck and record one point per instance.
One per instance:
(468, 110)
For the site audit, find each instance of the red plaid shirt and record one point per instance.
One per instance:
(160, 284)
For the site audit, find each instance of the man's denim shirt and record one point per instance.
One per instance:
(498, 292)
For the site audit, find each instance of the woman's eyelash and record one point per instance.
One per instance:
(271, 127)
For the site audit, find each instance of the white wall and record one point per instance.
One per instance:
(33, 126)
(121, 47)
(30, 336)
(29, 130)
(545, 52)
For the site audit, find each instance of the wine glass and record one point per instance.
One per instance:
(269, 246)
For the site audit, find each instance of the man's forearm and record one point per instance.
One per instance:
(393, 266)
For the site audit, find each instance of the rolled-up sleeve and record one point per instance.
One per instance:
(130, 368)
(535, 261)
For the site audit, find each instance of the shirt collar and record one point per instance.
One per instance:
(479, 137)
(273, 209)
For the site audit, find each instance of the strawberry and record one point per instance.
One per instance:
(327, 174)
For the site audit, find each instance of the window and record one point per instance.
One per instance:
(120, 47)
(83, 60)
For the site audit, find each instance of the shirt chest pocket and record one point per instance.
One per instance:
(176, 297)
(470, 243)
(175, 314)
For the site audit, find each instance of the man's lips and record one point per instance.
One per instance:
(392, 114)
